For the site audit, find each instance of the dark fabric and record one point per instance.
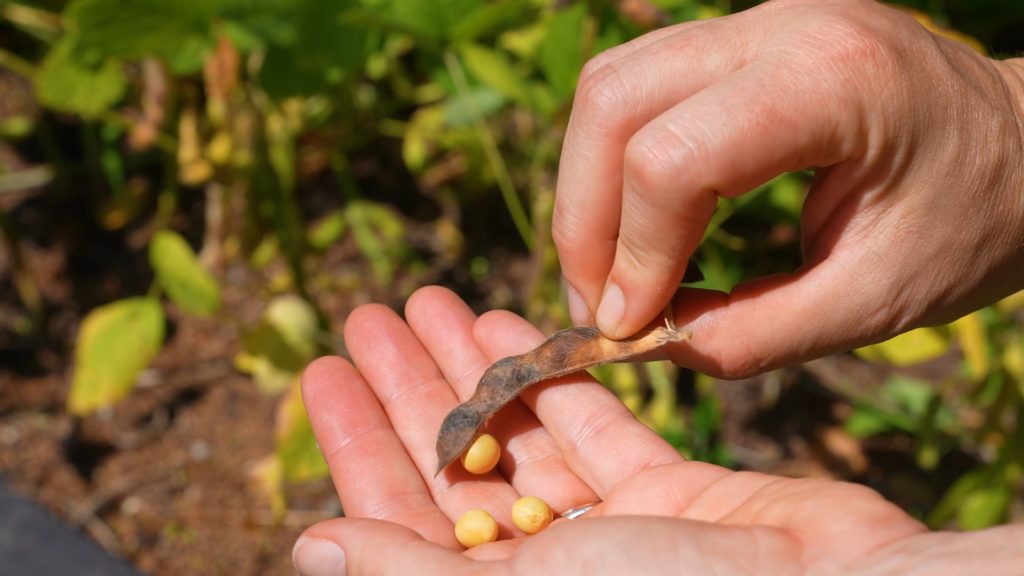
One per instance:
(33, 543)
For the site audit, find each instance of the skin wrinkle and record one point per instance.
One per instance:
(389, 401)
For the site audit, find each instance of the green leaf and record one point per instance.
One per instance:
(380, 235)
(434, 19)
(295, 320)
(325, 50)
(490, 18)
(984, 507)
(280, 345)
(911, 395)
(115, 343)
(190, 286)
(295, 444)
(327, 231)
(494, 69)
(457, 108)
(867, 421)
(561, 53)
(77, 80)
(179, 32)
(909, 348)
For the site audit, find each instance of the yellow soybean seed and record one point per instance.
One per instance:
(531, 514)
(476, 527)
(482, 456)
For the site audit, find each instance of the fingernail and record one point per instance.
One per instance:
(315, 557)
(577, 307)
(611, 310)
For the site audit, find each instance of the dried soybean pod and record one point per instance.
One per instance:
(565, 352)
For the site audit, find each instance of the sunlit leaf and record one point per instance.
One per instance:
(909, 348)
(494, 69)
(953, 499)
(867, 421)
(489, 18)
(970, 334)
(190, 286)
(458, 109)
(74, 79)
(561, 53)
(327, 231)
(295, 320)
(280, 345)
(115, 342)
(380, 234)
(295, 444)
(911, 395)
(1011, 303)
(984, 507)
(267, 477)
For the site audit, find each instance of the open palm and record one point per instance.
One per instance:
(569, 442)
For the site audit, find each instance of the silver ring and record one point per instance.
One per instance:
(573, 513)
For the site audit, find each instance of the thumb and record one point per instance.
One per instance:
(353, 546)
(837, 304)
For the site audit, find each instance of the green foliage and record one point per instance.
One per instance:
(179, 32)
(380, 235)
(115, 343)
(562, 53)
(79, 81)
(190, 286)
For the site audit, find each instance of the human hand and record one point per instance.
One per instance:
(570, 442)
(915, 216)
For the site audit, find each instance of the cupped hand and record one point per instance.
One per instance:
(569, 442)
(915, 215)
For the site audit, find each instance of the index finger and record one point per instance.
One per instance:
(619, 92)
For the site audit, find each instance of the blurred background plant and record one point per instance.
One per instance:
(194, 191)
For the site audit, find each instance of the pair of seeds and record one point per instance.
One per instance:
(530, 514)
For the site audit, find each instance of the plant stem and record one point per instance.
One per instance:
(508, 191)
(17, 64)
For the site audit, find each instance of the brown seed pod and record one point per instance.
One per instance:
(565, 352)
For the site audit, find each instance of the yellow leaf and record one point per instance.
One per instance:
(970, 334)
(115, 343)
(908, 348)
(295, 444)
(1011, 303)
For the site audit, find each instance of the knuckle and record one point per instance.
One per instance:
(602, 95)
(850, 43)
(656, 155)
